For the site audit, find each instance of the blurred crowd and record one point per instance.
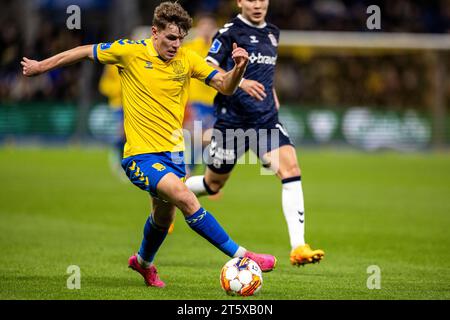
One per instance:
(58, 85)
(431, 16)
(350, 15)
(395, 80)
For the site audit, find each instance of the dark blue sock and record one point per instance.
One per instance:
(207, 226)
(153, 238)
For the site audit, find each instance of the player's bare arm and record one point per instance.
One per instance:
(32, 68)
(254, 88)
(228, 82)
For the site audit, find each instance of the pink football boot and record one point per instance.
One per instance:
(150, 274)
(266, 262)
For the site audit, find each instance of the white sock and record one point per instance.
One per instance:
(294, 212)
(196, 185)
(240, 252)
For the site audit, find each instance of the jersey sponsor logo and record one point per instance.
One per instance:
(215, 47)
(260, 59)
(253, 39)
(105, 46)
(158, 166)
(273, 40)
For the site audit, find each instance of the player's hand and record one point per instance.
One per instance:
(240, 56)
(30, 68)
(254, 89)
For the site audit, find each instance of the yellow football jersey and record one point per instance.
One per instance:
(154, 92)
(110, 86)
(199, 91)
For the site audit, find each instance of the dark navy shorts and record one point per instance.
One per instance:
(229, 142)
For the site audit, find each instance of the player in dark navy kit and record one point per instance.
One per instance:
(249, 120)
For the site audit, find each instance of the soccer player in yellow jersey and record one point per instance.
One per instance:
(110, 87)
(155, 76)
(199, 117)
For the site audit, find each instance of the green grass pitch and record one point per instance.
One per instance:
(61, 207)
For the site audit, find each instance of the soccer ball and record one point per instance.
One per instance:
(241, 276)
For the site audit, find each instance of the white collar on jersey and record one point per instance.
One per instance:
(260, 26)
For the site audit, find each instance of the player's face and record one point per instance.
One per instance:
(168, 41)
(254, 10)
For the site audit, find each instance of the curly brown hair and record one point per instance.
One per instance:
(172, 13)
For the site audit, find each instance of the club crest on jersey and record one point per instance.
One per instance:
(253, 39)
(215, 47)
(177, 66)
(273, 40)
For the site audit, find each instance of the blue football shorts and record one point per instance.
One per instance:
(146, 170)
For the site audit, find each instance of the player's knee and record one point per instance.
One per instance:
(187, 202)
(289, 171)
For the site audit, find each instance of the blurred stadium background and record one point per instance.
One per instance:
(377, 89)
(348, 94)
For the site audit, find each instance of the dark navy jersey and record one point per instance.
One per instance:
(261, 44)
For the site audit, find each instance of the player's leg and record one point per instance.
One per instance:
(155, 231)
(208, 184)
(283, 161)
(171, 188)
(144, 171)
(223, 152)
